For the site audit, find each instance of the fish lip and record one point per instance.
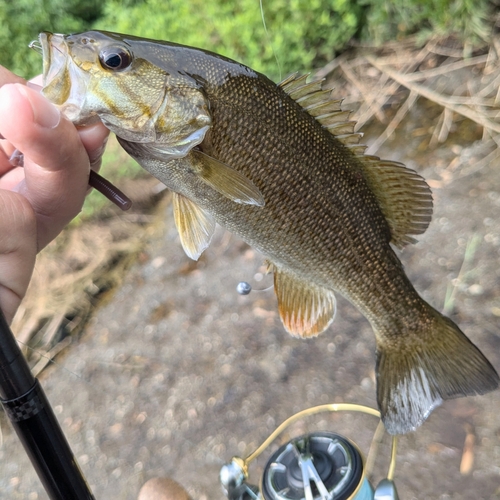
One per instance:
(55, 54)
(64, 83)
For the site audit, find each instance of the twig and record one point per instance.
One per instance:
(443, 128)
(493, 57)
(410, 101)
(436, 97)
(48, 358)
(387, 91)
(432, 46)
(481, 164)
(326, 70)
(470, 251)
(438, 126)
(368, 97)
(53, 327)
(497, 97)
(467, 461)
(441, 70)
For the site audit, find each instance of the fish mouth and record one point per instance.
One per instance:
(64, 83)
(55, 55)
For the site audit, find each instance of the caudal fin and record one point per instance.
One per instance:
(415, 378)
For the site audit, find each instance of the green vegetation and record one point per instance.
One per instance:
(471, 20)
(301, 34)
(22, 20)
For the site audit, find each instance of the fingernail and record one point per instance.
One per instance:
(96, 154)
(34, 86)
(45, 113)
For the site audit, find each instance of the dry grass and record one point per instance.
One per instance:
(439, 72)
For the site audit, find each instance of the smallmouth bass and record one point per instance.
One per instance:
(281, 167)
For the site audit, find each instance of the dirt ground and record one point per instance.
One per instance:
(177, 373)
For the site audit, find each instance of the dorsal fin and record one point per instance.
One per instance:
(404, 197)
(318, 102)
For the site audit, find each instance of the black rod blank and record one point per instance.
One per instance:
(31, 415)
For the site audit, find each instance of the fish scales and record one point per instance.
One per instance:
(279, 166)
(327, 224)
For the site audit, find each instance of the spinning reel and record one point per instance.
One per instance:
(315, 466)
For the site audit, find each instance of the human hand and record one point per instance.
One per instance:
(37, 201)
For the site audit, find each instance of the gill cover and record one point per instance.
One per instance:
(99, 75)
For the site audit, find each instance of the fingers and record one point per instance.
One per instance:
(56, 163)
(12, 178)
(37, 201)
(6, 149)
(94, 139)
(17, 250)
(7, 76)
(5, 165)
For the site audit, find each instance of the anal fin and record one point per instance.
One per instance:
(306, 310)
(195, 226)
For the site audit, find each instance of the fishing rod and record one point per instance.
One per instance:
(314, 466)
(322, 465)
(35, 423)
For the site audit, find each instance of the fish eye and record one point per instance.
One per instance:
(115, 58)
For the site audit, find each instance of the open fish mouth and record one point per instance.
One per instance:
(64, 83)
(55, 56)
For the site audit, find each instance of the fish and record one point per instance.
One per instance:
(281, 167)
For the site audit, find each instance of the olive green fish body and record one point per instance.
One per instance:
(317, 198)
(281, 167)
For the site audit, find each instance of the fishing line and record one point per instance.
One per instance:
(269, 37)
(48, 358)
(244, 288)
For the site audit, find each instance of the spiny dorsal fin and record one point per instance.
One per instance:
(404, 197)
(318, 102)
(293, 81)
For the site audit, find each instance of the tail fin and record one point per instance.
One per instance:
(415, 378)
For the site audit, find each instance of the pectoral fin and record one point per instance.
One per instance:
(226, 180)
(306, 310)
(195, 226)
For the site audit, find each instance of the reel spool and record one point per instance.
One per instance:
(315, 466)
(318, 465)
